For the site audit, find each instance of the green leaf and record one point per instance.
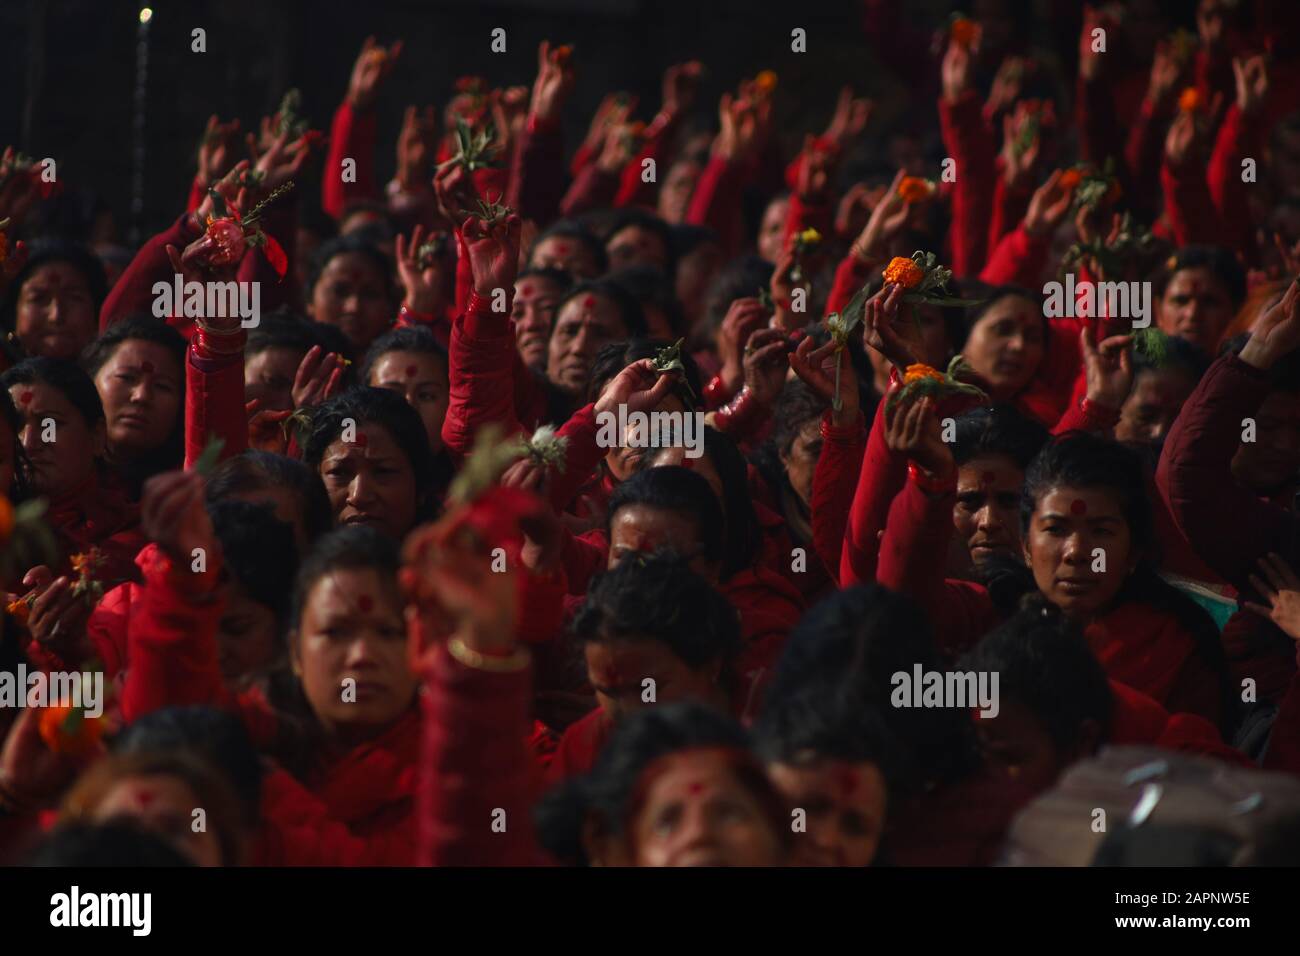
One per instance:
(210, 456)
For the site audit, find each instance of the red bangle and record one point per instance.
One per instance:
(213, 343)
(482, 306)
(929, 484)
(716, 393)
(740, 417)
(1103, 415)
(408, 316)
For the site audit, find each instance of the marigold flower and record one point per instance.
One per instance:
(563, 54)
(965, 33)
(915, 189)
(904, 272)
(1070, 178)
(19, 610)
(810, 237)
(765, 82)
(1189, 101)
(919, 371)
(77, 742)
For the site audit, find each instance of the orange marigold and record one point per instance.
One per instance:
(19, 610)
(1070, 178)
(765, 82)
(1189, 101)
(562, 55)
(76, 743)
(904, 272)
(914, 189)
(920, 371)
(965, 33)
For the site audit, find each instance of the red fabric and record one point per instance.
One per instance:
(1017, 259)
(959, 824)
(592, 188)
(850, 275)
(769, 607)
(537, 173)
(1239, 137)
(1136, 718)
(968, 140)
(1189, 209)
(133, 291)
(579, 745)
(835, 481)
(352, 136)
(803, 215)
(1009, 206)
(716, 204)
(881, 476)
(214, 402)
(98, 515)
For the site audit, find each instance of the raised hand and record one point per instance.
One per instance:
(1276, 333)
(1165, 74)
(888, 221)
(493, 253)
(744, 317)
(172, 514)
(883, 329)
(766, 361)
(738, 136)
(681, 84)
(372, 66)
(1280, 587)
(1252, 82)
(555, 79)
(1048, 206)
(957, 71)
(816, 366)
(217, 150)
(417, 145)
(57, 617)
(912, 429)
(319, 377)
(1108, 369)
(849, 119)
(639, 387)
(455, 193)
(425, 282)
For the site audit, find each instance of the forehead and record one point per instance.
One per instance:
(536, 287)
(635, 233)
(55, 273)
(689, 772)
(776, 209)
(1099, 502)
(351, 267)
(629, 660)
(996, 470)
(379, 442)
(1197, 280)
(602, 311)
(636, 520)
(42, 396)
(278, 356)
(401, 364)
(561, 246)
(137, 352)
(342, 589)
(1014, 307)
(857, 783)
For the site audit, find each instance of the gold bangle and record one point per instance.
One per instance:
(485, 662)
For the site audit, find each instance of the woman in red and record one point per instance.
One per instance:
(139, 369)
(52, 306)
(1087, 532)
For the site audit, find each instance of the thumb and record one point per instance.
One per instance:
(174, 257)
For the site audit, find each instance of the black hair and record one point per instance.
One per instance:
(283, 329)
(349, 547)
(548, 274)
(657, 597)
(650, 287)
(215, 735)
(254, 470)
(572, 229)
(629, 308)
(1043, 661)
(677, 489)
(616, 356)
(171, 453)
(997, 430)
(687, 238)
(42, 252)
(797, 405)
(605, 795)
(1178, 353)
(378, 406)
(740, 278)
(342, 245)
(1221, 263)
(258, 551)
(844, 654)
(643, 219)
(115, 844)
(66, 376)
(21, 489)
(407, 338)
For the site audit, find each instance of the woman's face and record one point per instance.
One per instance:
(533, 310)
(1016, 743)
(772, 229)
(370, 481)
(987, 513)
(675, 196)
(1196, 306)
(1079, 548)
(248, 635)
(349, 652)
(421, 379)
(645, 529)
(142, 387)
(269, 375)
(56, 314)
(585, 325)
(800, 460)
(61, 446)
(566, 254)
(165, 805)
(623, 460)
(1150, 409)
(1269, 463)
(619, 671)
(1006, 345)
(696, 813)
(636, 246)
(844, 807)
(353, 294)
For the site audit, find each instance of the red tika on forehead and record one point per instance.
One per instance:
(411, 371)
(362, 440)
(25, 398)
(988, 478)
(562, 248)
(848, 781)
(147, 367)
(525, 289)
(695, 788)
(1078, 507)
(366, 603)
(144, 797)
(589, 302)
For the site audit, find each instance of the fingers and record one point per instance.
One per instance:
(38, 577)
(1259, 609)
(307, 367)
(1258, 584)
(174, 257)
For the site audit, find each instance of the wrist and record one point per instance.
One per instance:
(932, 483)
(488, 657)
(1257, 357)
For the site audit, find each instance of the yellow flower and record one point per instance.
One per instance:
(810, 237)
(904, 272)
(920, 371)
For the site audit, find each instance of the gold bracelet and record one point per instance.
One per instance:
(486, 662)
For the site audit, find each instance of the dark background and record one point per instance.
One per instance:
(69, 69)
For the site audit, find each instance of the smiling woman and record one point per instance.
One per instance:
(53, 303)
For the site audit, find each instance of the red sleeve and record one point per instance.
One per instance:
(834, 481)
(172, 640)
(1095, 114)
(352, 136)
(882, 476)
(1229, 527)
(1188, 207)
(716, 204)
(582, 157)
(593, 188)
(477, 779)
(633, 190)
(802, 215)
(968, 140)
(1239, 137)
(1009, 207)
(583, 558)
(537, 173)
(481, 376)
(133, 291)
(1145, 147)
(542, 600)
(850, 275)
(1087, 416)
(582, 454)
(214, 396)
(1017, 259)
